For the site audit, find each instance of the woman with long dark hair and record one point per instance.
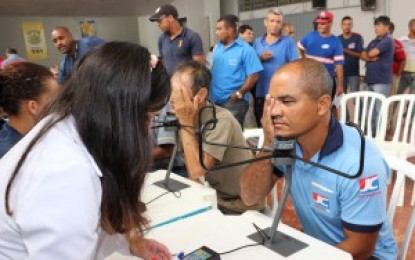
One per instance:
(77, 176)
(25, 90)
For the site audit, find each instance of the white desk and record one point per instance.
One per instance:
(169, 208)
(223, 233)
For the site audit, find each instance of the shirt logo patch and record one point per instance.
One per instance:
(352, 45)
(321, 201)
(369, 186)
(233, 62)
(325, 46)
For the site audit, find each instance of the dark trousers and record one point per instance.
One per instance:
(238, 109)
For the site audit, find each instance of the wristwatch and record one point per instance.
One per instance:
(238, 94)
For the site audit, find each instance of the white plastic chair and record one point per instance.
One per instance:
(404, 170)
(259, 133)
(364, 104)
(255, 133)
(403, 140)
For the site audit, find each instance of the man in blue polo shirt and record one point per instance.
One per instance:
(274, 50)
(347, 213)
(321, 45)
(72, 49)
(379, 63)
(176, 43)
(235, 69)
(352, 47)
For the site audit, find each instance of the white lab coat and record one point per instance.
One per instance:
(55, 200)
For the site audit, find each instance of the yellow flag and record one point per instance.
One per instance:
(35, 41)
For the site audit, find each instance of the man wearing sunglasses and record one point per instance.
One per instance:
(177, 42)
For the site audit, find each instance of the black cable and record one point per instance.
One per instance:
(177, 194)
(260, 232)
(156, 198)
(241, 247)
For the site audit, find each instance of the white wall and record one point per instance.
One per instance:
(229, 7)
(108, 28)
(201, 18)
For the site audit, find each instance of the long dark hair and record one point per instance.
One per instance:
(22, 81)
(109, 95)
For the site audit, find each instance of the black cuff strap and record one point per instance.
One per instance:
(362, 228)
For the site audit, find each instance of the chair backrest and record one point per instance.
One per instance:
(255, 133)
(364, 104)
(404, 170)
(404, 112)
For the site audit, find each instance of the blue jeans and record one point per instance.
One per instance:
(407, 81)
(381, 89)
(238, 109)
(353, 82)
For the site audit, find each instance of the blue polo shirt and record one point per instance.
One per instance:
(283, 51)
(351, 64)
(380, 71)
(82, 47)
(326, 203)
(8, 138)
(185, 45)
(231, 66)
(327, 50)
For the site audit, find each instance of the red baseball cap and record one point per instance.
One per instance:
(324, 17)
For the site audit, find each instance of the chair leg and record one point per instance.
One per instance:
(413, 196)
(401, 195)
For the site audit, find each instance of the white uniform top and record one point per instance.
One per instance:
(55, 199)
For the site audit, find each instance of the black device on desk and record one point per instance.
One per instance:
(170, 123)
(203, 253)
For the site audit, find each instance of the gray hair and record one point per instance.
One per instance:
(274, 11)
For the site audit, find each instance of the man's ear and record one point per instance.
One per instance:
(202, 94)
(324, 104)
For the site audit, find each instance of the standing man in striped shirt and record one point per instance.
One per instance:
(321, 45)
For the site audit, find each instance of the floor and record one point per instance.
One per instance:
(402, 216)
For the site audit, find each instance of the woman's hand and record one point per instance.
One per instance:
(149, 249)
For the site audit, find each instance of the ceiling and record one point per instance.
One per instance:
(79, 7)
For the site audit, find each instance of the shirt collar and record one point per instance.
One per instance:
(280, 38)
(12, 131)
(334, 139)
(238, 41)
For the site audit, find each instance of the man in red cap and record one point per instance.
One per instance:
(177, 43)
(321, 45)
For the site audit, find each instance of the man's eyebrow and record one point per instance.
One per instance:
(282, 97)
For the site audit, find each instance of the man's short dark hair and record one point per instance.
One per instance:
(11, 51)
(230, 20)
(391, 27)
(244, 27)
(346, 18)
(201, 76)
(383, 19)
(411, 21)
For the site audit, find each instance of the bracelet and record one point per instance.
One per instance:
(238, 94)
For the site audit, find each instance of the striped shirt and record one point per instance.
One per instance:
(327, 50)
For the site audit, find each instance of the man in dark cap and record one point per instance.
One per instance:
(177, 43)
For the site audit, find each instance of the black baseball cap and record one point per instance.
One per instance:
(164, 10)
